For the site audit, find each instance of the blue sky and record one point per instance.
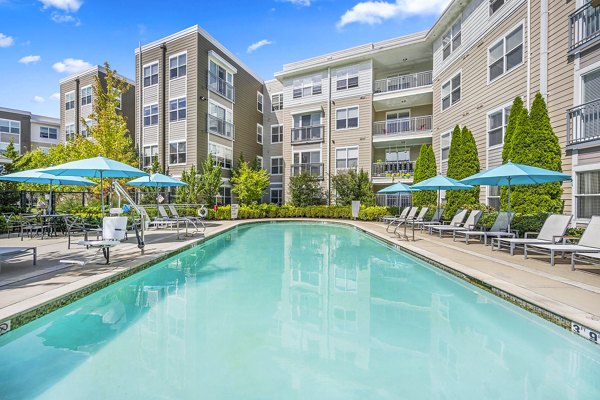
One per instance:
(42, 41)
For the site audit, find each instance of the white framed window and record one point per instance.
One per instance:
(149, 155)
(495, 5)
(150, 74)
(347, 78)
(346, 118)
(47, 132)
(346, 158)
(177, 152)
(496, 125)
(445, 141)
(452, 38)
(259, 133)
(70, 100)
(10, 131)
(220, 80)
(86, 95)
(259, 101)
(259, 159)
(277, 165)
(277, 133)
(225, 192)
(451, 91)
(151, 115)
(277, 101)
(177, 65)
(587, 194)
(177, 109)
(506, 53)
(277, 196)
(220, 120)
(493, 197)
(69, 131)
(222, 155)
(307, 161)
(307, 86)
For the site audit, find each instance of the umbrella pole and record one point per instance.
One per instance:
(101, 196)
(509, 205)
(50, 199)
(439, 200)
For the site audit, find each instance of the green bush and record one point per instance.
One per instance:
(352, 185)
(425, 168)
(305, 190)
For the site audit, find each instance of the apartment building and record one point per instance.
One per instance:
(77, 99)
(27, 131)
(195, 97)
(273, 140)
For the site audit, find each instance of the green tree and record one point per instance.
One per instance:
(352, 185)
(425, 168)
(534, 143)
(513, 119)
(10, 195)
(305, 190)
(250, 185)
(236, 167)
(189, 194)
(210, 180)
(462, 162)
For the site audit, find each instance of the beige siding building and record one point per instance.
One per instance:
(27, 131)
(273, 140)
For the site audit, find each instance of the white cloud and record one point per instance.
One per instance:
(258, 45)
(64, 18)
(65, 5)
(375, 12)
(29, 59)
(6, 41)
(38, 99)
(304, 3)
(55, 96)
(70, 65)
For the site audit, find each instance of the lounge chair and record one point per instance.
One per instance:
(8, 252)
(435, 219)
(113, 232)
(470, 223)
(457, 220)
(554, 228)
(588, 243)
(409, 217)
(390, 218)
(419, 218)
(163, 218)
(498, 229)
(195, 221)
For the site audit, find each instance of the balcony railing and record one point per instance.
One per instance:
(314, 169)
(403, 82)
(221, 86)
(402, 125)
(583, 123)
(307, 134)
(394, 169)
(220, 127)
(584, 27)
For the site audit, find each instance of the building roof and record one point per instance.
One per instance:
(34, 117)
(93, 70)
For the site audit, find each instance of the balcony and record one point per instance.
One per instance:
(584, 27)
(221, 87)
(401, 92)
(314, 169)
(220, 127)
(307, 134)
(583, 123)
(393, 171)
(403, 82)
(402, 126)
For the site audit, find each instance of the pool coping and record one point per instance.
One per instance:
(79, 289)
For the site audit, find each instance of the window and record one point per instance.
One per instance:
(225, 193)
(118, 98)
(493, 197)
(69, 100)
(259, 133)
(307, 86)
(177, 110)
(259, 101)
(220, 81)
(222, 155)
(259, 160)
(277, 196)
(69, 131)
(220, 120)
(83, 130)
(505, 54)
(151, 115)
(86, 95)
(276, 133)
(346, 118)
(10, 131)
(445, 145)
(452, 38)
(150, 154)
(347, 78)
(451, 92)
(151, 75)
(48, 133)
(177, 66)
(497, 121)
(346, 158)
(495, 5)
(307, 161)
(276, 165)
(587, 197)
(177, 152)
(277, 101)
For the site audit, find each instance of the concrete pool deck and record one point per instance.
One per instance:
(573, 295)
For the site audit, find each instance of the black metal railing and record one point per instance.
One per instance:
(312, 133)
(394, 169)
(314, 169)
(584, 27)
(583, 123)
(221, 86)
(220, 127)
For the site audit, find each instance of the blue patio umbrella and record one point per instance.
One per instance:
(156, 180)
(441, 182)
(515, 174)
(38, 176)
(398, 188)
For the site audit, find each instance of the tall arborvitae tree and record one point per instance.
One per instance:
(513, 119)
(462, 162)
(534, 143)
(425, 168)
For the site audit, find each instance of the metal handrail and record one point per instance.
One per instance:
(221, 86)
(402, 125)
(221, 126)
(144, 217)
(393, 168)
(403, 82)
(584, 26)
(313, 133)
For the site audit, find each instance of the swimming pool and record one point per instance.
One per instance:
(295, 311)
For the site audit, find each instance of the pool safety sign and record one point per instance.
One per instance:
(585, 332)
(234, 211)
(4, 327)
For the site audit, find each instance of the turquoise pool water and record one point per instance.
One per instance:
(295, 311)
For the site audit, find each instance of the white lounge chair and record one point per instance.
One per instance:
(498, 229)
(419, 218)
(9, 252)
(588, 243)
(113, 232)
(195, 221)
(457, 220)
(391, 218)
(409, 217)
(554, 228)
(435, 219)
(470, 223)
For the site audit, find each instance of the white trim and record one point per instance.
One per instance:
(452, 76)
(449, 30)
(176, 55)
(220, 60)
(262, 133)
(271, 133)
(307, 111)
(169, 151)
(95, 69)
(353, 146)
(169, 109)
(262, 101)
(81, 89)
(578, 89)
(347, 108)
(150, 64)
(487, 127)
(441, 148)
(576, 169)
(271, 165)
(502, 38)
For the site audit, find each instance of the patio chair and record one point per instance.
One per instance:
(457, 220)
(470, 223)
(77, 226)
(398, 221)
(8, 252)
(588, 243)
(554, 228)
(498, 229)
(32, 226)
(13, 224)
(113, 232)
(435, 219)
(389, 218)
(195, 221)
